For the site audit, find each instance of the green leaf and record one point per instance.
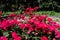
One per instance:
(6, 34)
(10, 38)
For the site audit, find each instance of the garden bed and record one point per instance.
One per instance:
(29, 26)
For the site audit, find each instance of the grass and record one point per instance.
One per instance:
(7, 13)
(50, 13)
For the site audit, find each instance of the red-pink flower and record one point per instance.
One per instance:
(27, 9)
(27, 26)
(36, 22)
(15, 20)
(44, 38)
(52, 28)
(14, 35)
(11, 22)
(31, 10)
(57, 35)
(12, 15)
(21, 16)
(31, 21)
(49, 19)
(4, 25)
(30, 30)
(22, 26)
(28, 13)
(45, 27)
(3, 38)
(54, 38)
(18, 38)
(41, 18)
(39, 27)
(0, 12)
(44, 16)
(35, 8)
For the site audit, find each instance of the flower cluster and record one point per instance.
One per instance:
(15, 36)
(29, 10)
(39, 26)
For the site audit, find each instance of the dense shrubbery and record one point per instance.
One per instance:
(28, 26)
(13, 5)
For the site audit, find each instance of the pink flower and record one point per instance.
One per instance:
(14, 35)
(45, 26)
(15, 20)
(41, 18)
(28, 13)
(11, 22)
(4, 25)
(35, 8)
(21, 16)
(44, 38)
(27, 9)
(44, 16)
(22, 26)
(52, 28)
(30, 30)
(36, 22)
(39, 26)
(49, 19)
(0, 12)
(54, 38)
(18, 38)
(31, 21)
(3, 38)
(57, 25)
(12, 15)
(57, 35)
(27, 26)
(31, 10)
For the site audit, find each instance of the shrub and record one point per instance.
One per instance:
(29, 27)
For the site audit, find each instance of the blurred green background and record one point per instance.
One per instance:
(51, 7)
(44, 5)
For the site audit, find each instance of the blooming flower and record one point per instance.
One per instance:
(4, 25)
(0, 12)
(27, 26)
(35, 8)
(49, 19)
(30, 30)
(22, 26)
(44, 38)
(57, 35)
(14, 35)
(12, 15)
(18, 38)
(52, 28)
(3, 38)
(31, 10)
(27, 9)
(44, 16)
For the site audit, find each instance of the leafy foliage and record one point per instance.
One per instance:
(13, 5)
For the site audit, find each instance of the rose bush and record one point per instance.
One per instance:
(29, 26)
